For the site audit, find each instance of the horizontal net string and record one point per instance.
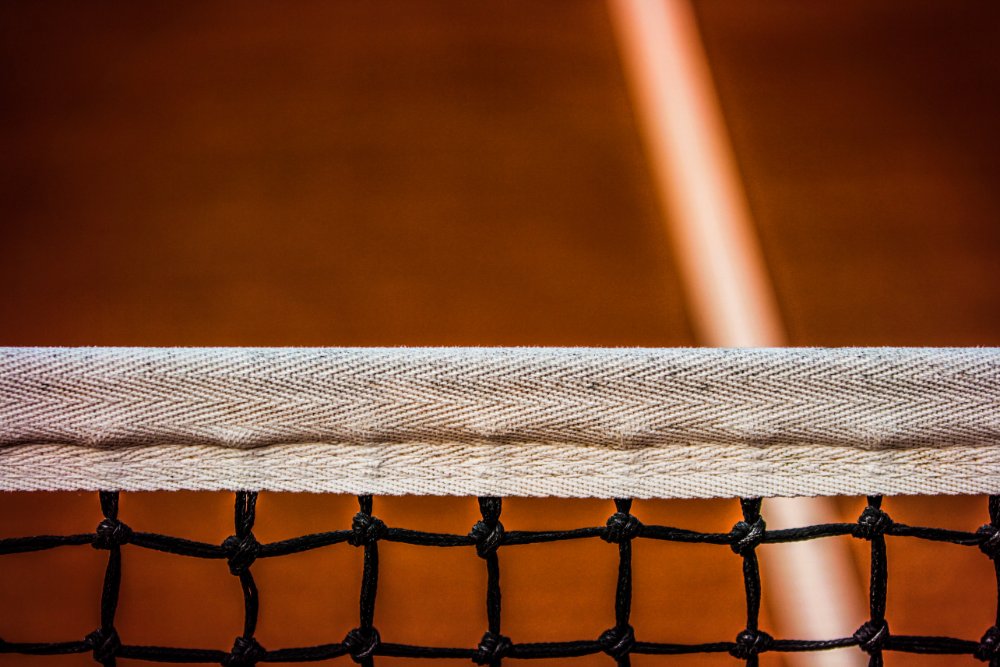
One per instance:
(185, 547)
(364, 643)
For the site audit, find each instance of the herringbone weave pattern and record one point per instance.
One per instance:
(556, 422)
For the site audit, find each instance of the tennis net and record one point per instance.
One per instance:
(623, 529)
(498, 423)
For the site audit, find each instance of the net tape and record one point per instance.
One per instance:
(364, 642)
(571, 422)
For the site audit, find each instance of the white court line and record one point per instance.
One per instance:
(728, 290)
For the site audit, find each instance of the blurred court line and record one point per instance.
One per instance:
(729, 294)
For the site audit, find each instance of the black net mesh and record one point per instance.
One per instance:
(364, 643)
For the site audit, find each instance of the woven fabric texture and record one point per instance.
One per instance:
(498, 421)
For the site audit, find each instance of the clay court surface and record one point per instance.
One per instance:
(442, 174)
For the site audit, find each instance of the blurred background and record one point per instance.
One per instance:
(445, 173)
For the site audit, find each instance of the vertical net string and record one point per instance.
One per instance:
(245, 515)
(873, 636)
(363, 641)
(489, 535)
(994, 507)
(110, 535)
(879, 584)
(745, 536)
(989, 543)
(241, 551)
(621, 528)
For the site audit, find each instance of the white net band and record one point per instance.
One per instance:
(494, 421)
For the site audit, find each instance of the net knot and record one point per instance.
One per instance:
(750, 643)
(746, 536)
(241, 552)
(488, 537)
(492, 647)
(104, 642)
(621, 528)
(618, 641)
(111, 533)
(365, 529)
(872, 636)
(989, 645)
(872, 523)
(246, 652)
(361, 643)
(989, 540)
